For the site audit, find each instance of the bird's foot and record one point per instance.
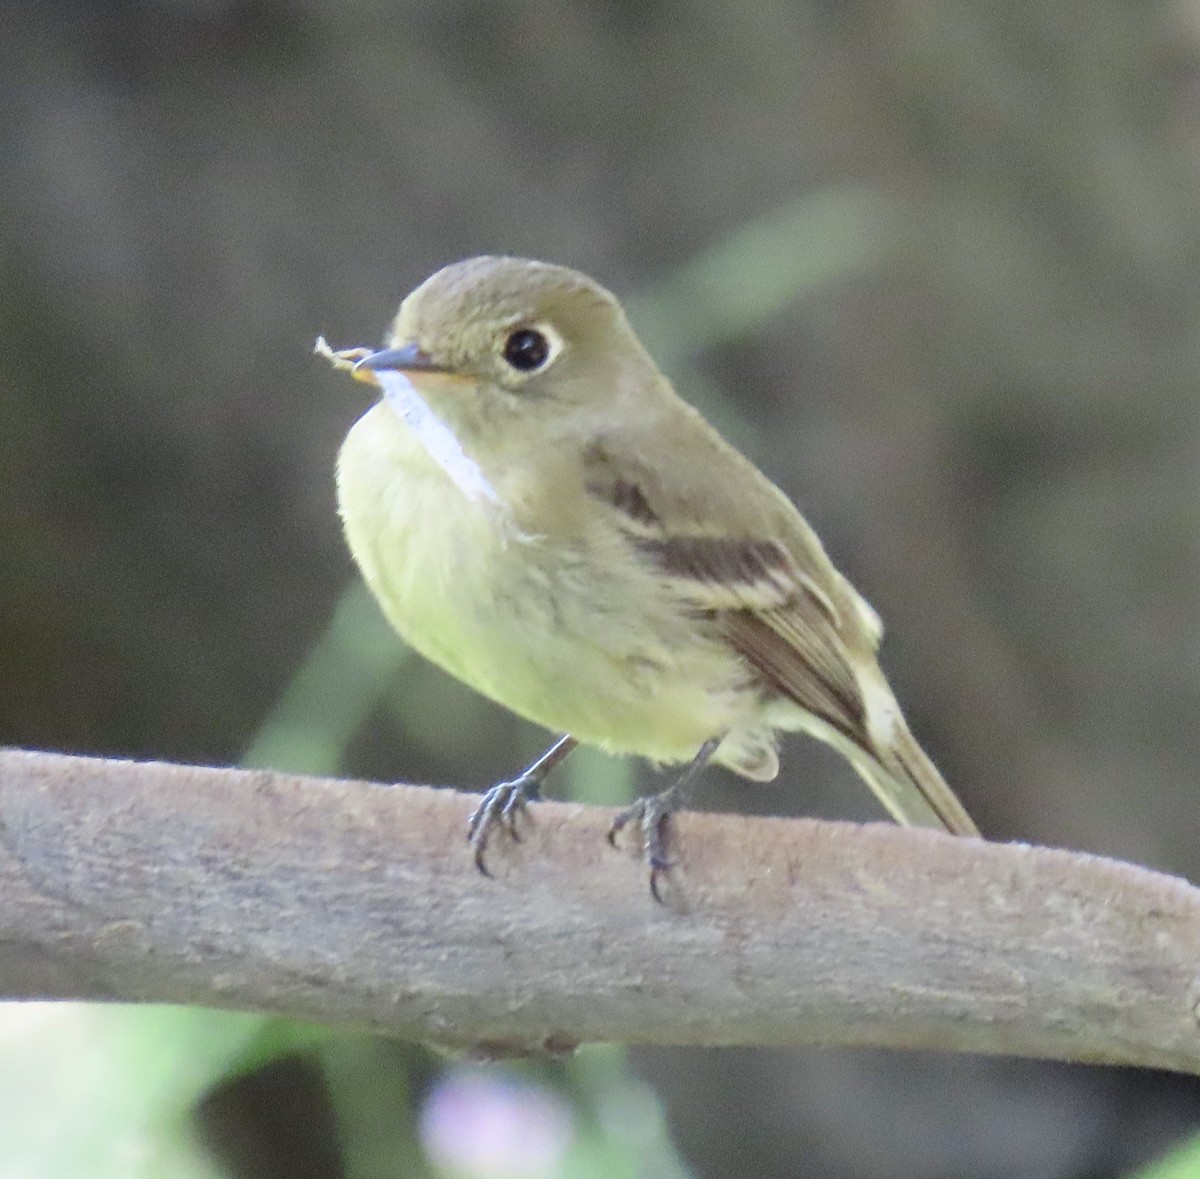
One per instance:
(499, 810)
(652, 816)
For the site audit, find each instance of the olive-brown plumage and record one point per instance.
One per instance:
(589, 552)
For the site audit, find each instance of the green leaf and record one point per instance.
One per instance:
(97, 1092)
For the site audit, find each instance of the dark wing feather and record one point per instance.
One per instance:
(793, 658)
(775, 616)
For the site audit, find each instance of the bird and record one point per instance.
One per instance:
(540, 514)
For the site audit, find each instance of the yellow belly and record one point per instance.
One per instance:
(566, 632)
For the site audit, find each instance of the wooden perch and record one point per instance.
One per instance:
(352, 904)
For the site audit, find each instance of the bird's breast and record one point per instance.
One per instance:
(426, 549)
(566, 626)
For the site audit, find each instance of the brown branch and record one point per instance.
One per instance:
(351, 904)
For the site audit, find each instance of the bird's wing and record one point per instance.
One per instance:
(775, 602)
(754, 567)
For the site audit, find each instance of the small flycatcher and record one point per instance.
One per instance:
(541, 515)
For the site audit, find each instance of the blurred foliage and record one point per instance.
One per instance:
(339, 684)
(1182, 1163)
(94, 1092)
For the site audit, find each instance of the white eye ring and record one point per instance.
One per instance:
(530, 348)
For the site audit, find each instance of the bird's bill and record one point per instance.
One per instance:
(407, 359)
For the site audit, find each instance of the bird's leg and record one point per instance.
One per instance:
(502, 804)
(652, 814)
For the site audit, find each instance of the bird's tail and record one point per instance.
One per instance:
(910, 787)
(901, 774)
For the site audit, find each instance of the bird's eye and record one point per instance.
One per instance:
(527, 350)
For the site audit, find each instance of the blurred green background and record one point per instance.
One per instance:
(935, 266)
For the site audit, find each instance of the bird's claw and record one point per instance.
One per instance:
(652, 816)
(499, 808)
